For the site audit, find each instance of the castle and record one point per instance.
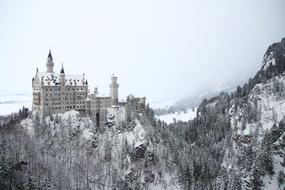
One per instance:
(60, 92)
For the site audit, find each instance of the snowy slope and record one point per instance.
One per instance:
(178, 116)
(268, 101)
(122, 148)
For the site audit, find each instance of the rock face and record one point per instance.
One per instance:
(138, 160)
(274, 53)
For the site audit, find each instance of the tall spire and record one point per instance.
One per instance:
(49, 63)
(62, 69)
(49, 55)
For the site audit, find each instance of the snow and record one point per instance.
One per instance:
(28, 125)
(271, 182)
(178, 116)
(54, 78)
(84, 123)
(267, 60)
(13, 102)
(118, 113)
(135, 137)
(87, 133)
(271, 107)
(72, 114)
(138, 134)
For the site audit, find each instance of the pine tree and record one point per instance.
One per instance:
(266, 153)
(256, 182)
(4, 175)
(31, 184)
(46, 185)
(234, 181)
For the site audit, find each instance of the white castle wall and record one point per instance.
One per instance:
(59, 92)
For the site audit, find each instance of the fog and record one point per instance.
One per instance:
(160, 49)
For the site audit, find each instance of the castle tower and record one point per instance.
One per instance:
(33, 80)
(114, 86)
(49, 63)
(62, 84)
(62, 76)
(96, 91)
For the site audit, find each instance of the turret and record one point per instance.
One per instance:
(114, 86)
(49, 63)
(33, 79)
(62, 75)
(96, 91)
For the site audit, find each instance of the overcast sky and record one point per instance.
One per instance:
(158, 48)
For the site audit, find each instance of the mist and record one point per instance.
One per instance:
(158, 49)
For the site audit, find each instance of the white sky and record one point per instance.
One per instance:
(161, 49)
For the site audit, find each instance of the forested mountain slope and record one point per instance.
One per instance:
(236, 141)
(66, 151)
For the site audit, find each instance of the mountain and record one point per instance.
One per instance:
(208, 91)
(185, 109)
(236, 141)
(273, 55)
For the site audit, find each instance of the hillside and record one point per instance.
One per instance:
(66, 151)
(236, 141)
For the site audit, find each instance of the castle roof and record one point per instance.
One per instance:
(62, 69)
(53, 79)
(49, 55)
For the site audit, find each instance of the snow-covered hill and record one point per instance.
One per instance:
(207, 91)
(178, 116)
(253, 121)
(77, 155)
